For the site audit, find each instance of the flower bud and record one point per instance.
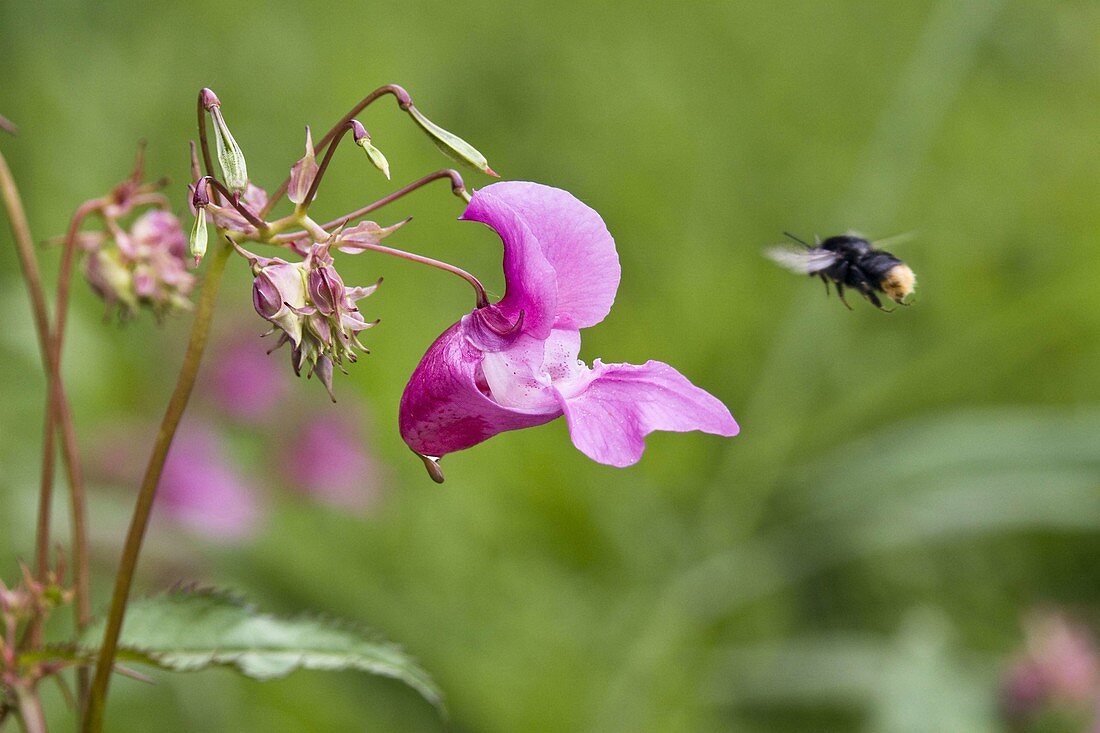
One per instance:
(199, 236)
(110, 278)
(230, 157)
(326, 289)
(362, 139)
(254, 198)
(452, 145)
(278, 292)
(302, 174)
(159, 229)
(367, 233)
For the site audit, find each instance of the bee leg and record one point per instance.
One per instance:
(826, 281)
(841, 276)
(870, 295)
(865, 287)
(840, 294)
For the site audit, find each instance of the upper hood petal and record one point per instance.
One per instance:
(560, 264)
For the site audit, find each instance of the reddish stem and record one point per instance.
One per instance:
(458, 187)
(59, 416)
(404, 101)
(479, 289)
(235, 201)
(324, 165)
(207, 163)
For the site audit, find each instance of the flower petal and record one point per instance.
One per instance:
(302, 173)
(560, 263)
(520, 376)
(612, 409)
(446, 405)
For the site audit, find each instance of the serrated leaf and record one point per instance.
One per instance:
(191, 630)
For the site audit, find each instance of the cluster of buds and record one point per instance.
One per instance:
(311, 308)
(306, 301)
(143, 267)
(140, 264)
(30, 602)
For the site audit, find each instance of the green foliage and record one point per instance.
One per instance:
(192, 630)
(941, 457)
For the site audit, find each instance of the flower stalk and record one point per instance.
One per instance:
(58, 413)
(458, 188)
(31, 715)
(185, 382)
(452, 145)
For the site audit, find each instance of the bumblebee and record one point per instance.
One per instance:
(849, 261)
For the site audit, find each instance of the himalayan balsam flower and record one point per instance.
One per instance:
(1056, 678)
(514, 364)
(202, 492)
(245, 382)
(146, 266)
(327, 462)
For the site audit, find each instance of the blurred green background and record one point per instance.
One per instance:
(905, 488)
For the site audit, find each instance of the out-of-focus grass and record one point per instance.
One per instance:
(905, 486)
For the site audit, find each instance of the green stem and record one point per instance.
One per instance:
(93, 718)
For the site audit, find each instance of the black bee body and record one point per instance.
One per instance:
(849, 261)
(860, 267)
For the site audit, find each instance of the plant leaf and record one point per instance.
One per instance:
(188, 630)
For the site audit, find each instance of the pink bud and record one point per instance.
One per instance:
(326, 289)
(302, 174)
(368, 233)
(160, 230)
(145, 282)
(265, 296)
(278, 293)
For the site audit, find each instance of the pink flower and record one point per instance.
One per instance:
(514, 364)
(200, 490)
(246, 382)
(327, 462)
(1059, 671)
(146, 266)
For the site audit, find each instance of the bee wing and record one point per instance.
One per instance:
(803, 261)
(894, 239)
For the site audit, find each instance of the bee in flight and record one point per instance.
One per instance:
(849, 261)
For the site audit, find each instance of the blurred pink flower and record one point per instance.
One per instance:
(245, 381)
(1058, 673)
(328, 463)
(201, 491)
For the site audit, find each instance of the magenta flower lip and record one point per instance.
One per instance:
(514, 364)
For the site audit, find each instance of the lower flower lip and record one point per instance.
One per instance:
(483, 389)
